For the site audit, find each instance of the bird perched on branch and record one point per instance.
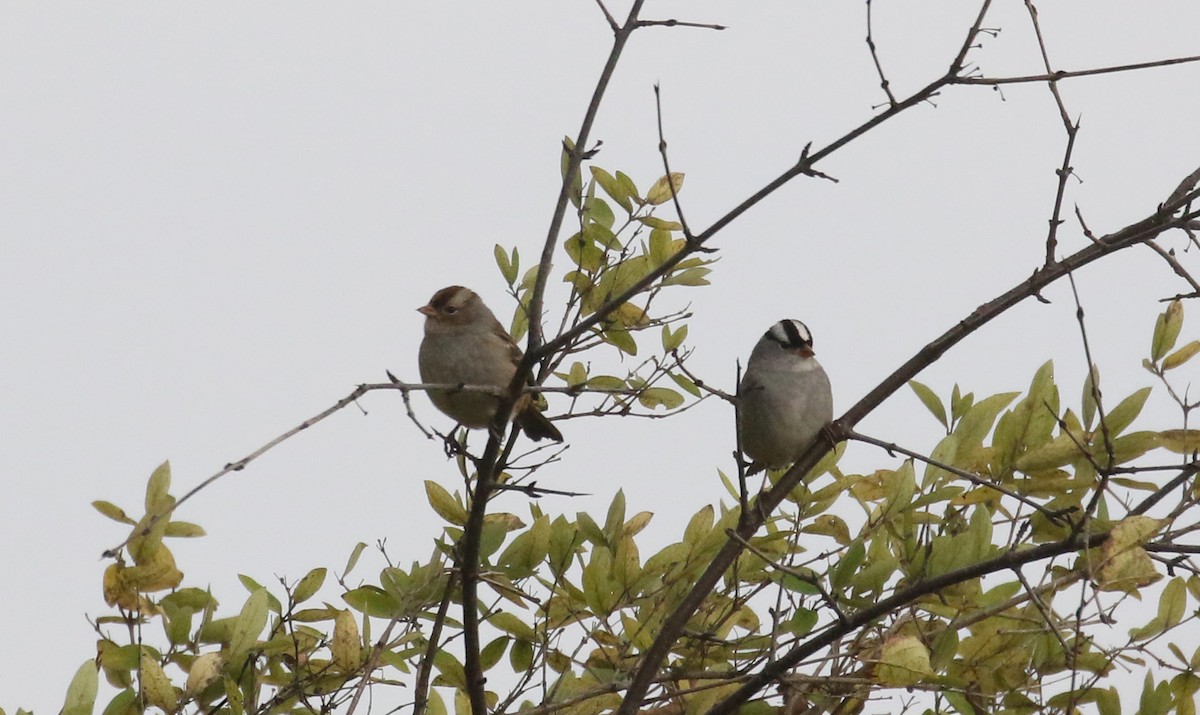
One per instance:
(465, 345)
(784, 399)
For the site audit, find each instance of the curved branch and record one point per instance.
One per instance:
(1161, 220)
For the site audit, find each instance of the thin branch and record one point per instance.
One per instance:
(1065, 171)
(1009, 560)
(1180, 479)
(680, 23)
(238, 465)
(803, 167)
(425, 669)
(1064, 74)
(794, 573)
(1098, 397)
(662, 150)
(1163, 219)
(883, 80)
(574, 162)
(370, 664)
(1169, 257)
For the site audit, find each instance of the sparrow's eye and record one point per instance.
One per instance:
(449, 310)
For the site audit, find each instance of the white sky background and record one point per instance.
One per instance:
(217, 219)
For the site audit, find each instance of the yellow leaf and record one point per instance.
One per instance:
(1182, 355)
(205, 671)
(660, 192)
(630, 315)
(1125, 565)
(1181, 441)
(444, 504)
(904, 661)
(156, 687)
(347, 645)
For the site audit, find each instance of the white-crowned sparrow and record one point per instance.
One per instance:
(784, 399)
(465, 345)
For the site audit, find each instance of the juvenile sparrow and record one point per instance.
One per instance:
(465, 345)
(784, 398)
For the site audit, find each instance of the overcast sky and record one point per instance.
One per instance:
(217, 218)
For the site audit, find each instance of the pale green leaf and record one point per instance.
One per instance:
(930, 399)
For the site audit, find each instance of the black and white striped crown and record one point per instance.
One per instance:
(791, 334)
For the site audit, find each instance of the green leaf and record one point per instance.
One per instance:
(1125, 413)
(656, 222)
(248, 625)
(848, 564)
(158, 500)
(672, 340)
(353, 560)
(577, 375)
(1108, 701)
(81, 693)
(309, 585)
(116, 513)
(599, 589)
(629, 188)
(508, 268)
(930, 399)
(1181, 441)
(978, 420)
(183, 529)
(1166, 330)
(662, 246)
(959, 403)
(520, 656)
(512, 625)
(686, 383)
(619, 338)
(372, 601)
(444, 504)
(125, 703)
(614, 188)
(690, 277)
(450, 671)
(493, 652)
(584, 252)
(614, 520)
(653, 397)
(601, 235)
(606, 382)
(598, 212)
(1172, 603)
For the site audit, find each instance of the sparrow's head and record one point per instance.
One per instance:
(452, 308)
(792, 336)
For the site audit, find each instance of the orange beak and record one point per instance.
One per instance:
(427, 310)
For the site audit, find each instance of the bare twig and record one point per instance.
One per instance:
(662, 150)
(680, 23)
(883, 80)
(1065, 171)
(1064, 74)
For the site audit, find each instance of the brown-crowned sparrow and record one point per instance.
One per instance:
(784, 398)
(465, 345)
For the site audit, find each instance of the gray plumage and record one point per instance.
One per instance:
(784, 398)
